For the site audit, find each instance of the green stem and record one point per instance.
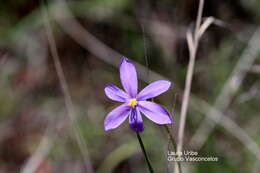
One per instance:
(171, 137)
(173, 144)
(145, 154)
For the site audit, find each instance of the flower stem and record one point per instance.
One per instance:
(144, 152)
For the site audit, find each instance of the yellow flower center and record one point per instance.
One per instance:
(132, 102)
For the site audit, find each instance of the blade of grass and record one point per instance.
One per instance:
(118, 155)
(67, 97)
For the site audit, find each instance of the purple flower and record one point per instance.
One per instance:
(134, 102)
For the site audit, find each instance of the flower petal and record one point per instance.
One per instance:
(116, 117)
(128, 77)
(115, 93)
(135, 120)
(155, 112)
(154, 89)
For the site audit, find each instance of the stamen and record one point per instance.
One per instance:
(132, 102)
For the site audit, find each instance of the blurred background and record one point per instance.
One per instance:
(55, 61)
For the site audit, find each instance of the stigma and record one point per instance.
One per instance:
(132, 102)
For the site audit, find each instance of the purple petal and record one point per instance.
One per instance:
(115, 93)
(154, 89)
(135, 120)
(128, 77)
(155, 112)
(116, 117)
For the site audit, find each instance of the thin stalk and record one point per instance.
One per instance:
(189, 76)
(144, 152)
(171, 137)
(193, 42)
(65, 91)
(173, 144)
